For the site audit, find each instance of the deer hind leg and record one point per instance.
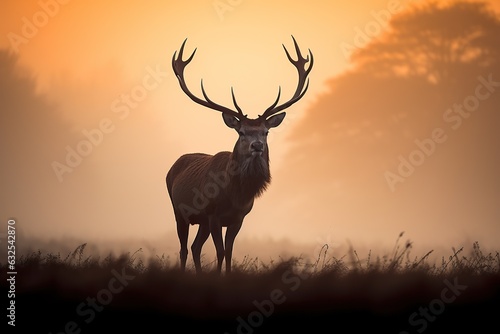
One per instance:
(201, 237)
(216, 231)
(182, 233)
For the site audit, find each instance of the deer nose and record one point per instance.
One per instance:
(257, 146)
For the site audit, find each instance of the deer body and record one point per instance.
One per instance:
(215, 191)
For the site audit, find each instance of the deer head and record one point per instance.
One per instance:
(252, 140)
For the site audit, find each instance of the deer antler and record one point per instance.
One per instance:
(300, 91)
(178, 65)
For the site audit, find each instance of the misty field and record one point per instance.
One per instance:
(393, 293)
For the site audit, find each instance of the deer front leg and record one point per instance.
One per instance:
(231, 232)
(216, 231)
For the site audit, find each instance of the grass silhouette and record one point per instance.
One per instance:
(395, 292)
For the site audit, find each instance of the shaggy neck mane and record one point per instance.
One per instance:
(252, 177)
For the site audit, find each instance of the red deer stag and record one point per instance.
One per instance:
(216, 191)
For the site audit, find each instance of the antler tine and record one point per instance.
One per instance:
(274, 104)
(236, 104)
(303, 83)
(219, 107)
(178, 66)
(301, 61)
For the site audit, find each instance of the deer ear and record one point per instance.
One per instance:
(231, 121)
(275, 120)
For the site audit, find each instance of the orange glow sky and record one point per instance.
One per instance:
(91, 52)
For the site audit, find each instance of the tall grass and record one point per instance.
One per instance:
(399, 260)
(380, 290)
